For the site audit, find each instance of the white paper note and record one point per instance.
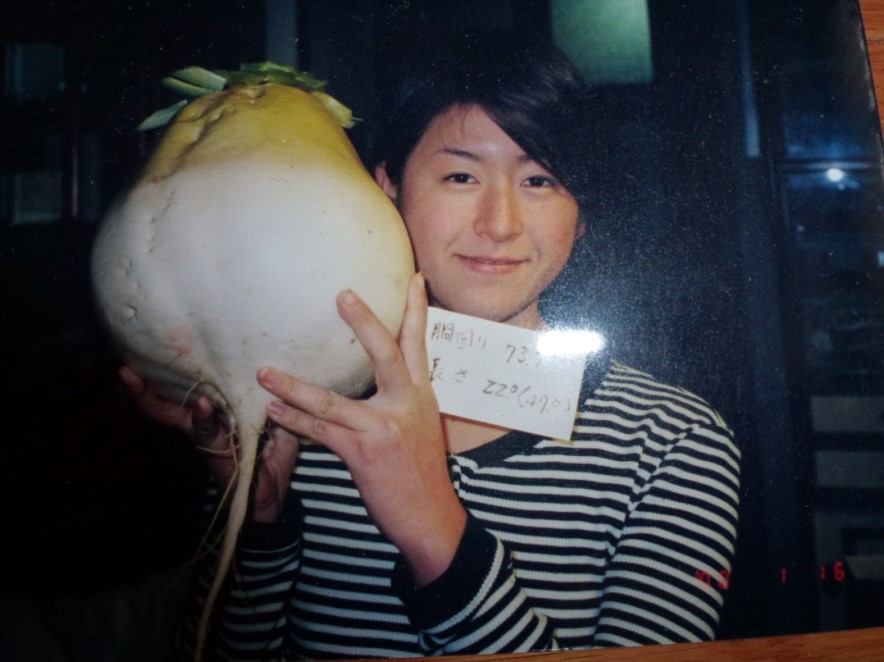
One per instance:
(501, 374)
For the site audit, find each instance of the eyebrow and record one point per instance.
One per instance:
(463, 153)
(472, 156)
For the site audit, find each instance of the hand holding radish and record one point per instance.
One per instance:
(251, 214)
(200, 420)
(392, 443)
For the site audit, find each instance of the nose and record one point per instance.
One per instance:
(499, 216)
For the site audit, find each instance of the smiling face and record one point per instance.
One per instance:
(490, 227)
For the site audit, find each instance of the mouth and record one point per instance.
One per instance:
(491, 265)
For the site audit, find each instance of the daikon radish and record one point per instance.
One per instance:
(227, 254)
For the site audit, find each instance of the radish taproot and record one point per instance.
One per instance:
(228, 252)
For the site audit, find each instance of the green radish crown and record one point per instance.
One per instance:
(193, 82)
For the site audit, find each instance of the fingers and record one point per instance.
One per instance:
(200, 420)
(277, 462)
(413, 336)
(132, 380)
(280, 452)
(151, 403)
(207, 429)
(378, 342)
(326, 416)
(313, 412)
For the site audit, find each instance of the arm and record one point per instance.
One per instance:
(392, 443)
(251, 618)
(251, 621)
(663, 575)
(394, 447)
(661, 565)
(673, 559)
(201, 422)
(477, 605)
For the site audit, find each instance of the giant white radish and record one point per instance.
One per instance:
(227, 254)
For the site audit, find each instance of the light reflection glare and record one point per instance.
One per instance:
(835, 174)
(562, 342)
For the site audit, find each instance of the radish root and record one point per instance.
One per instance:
(248, 431)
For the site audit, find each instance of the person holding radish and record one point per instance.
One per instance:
(398, 531)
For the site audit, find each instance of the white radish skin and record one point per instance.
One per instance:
(228, 254)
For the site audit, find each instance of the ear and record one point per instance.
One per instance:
(581, 230)
(383, 180)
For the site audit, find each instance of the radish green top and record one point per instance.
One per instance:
(194, 82)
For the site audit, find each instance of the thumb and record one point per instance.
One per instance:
(206, 426)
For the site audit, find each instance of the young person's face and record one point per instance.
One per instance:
(490, 228)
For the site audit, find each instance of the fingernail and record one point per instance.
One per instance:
(348, 298)
(275, 409)
(268, 376)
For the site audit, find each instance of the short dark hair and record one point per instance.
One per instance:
(524, 83)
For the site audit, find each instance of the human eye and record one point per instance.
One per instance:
(540, 181)
(460, 178)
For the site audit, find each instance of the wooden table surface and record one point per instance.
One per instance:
(865, 645)
(873, 22)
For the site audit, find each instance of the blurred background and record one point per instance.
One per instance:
(737, 250)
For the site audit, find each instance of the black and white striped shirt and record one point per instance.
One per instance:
(623, 536)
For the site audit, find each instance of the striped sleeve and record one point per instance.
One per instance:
(252, 623)
(251, 613)
(672, 559)
(476, 605)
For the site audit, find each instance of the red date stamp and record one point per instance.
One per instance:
(721, 579)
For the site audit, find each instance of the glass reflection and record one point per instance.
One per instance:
(736, 250)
